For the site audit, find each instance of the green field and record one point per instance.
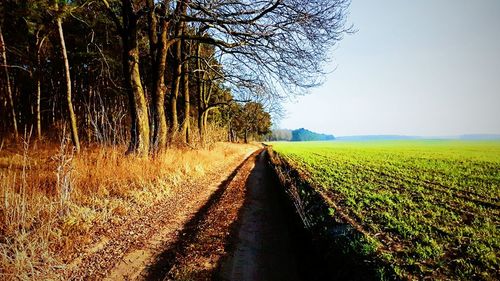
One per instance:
(430, 208)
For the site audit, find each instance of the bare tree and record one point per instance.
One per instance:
(159, 49)
(185, 87)
(38, 45)
(72, 116)
(279, 46)
(177, 71)
(170, 30)
(127, 26)
(269, 49)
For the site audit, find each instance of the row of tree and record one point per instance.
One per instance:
(155, 71)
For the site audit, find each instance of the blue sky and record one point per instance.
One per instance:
(427, 67)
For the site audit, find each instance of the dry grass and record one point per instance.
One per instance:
(52, 201)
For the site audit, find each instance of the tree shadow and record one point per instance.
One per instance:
(166, 260)
(310, 257)
(313, 257)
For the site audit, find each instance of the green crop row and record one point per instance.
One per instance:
(432, 207)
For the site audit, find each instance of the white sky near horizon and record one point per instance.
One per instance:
(427, 68)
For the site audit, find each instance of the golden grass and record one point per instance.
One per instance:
(51, 199)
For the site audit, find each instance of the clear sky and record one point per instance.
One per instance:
(426, 67)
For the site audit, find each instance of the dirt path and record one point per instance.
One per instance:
(123, 252)
(246, 231)
(239, 229)
(264, 249)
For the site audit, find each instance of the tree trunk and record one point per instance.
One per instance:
(153, 38)
(72, 115)
(7, 82)
(176, 80)
(200, 124)
(175, 90)
(153, 50)
(89, 116)
(185, 85)
(201, 98)
(205, 120)
(186, 124)
(160, 129)
(38, 111)
(38, 75)
(139, 129)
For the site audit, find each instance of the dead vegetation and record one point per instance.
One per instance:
(53, 202)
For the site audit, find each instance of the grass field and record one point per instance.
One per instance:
(53, 202)
(429, 208)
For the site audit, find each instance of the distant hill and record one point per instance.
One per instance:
(480, 137)
(306, 135)
(402, 137)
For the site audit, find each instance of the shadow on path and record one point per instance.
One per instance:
(166, 260)
(248, 230)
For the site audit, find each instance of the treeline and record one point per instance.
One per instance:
(306, 135)
(298, 135)
(157, 72)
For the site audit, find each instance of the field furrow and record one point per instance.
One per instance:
(437, 200)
